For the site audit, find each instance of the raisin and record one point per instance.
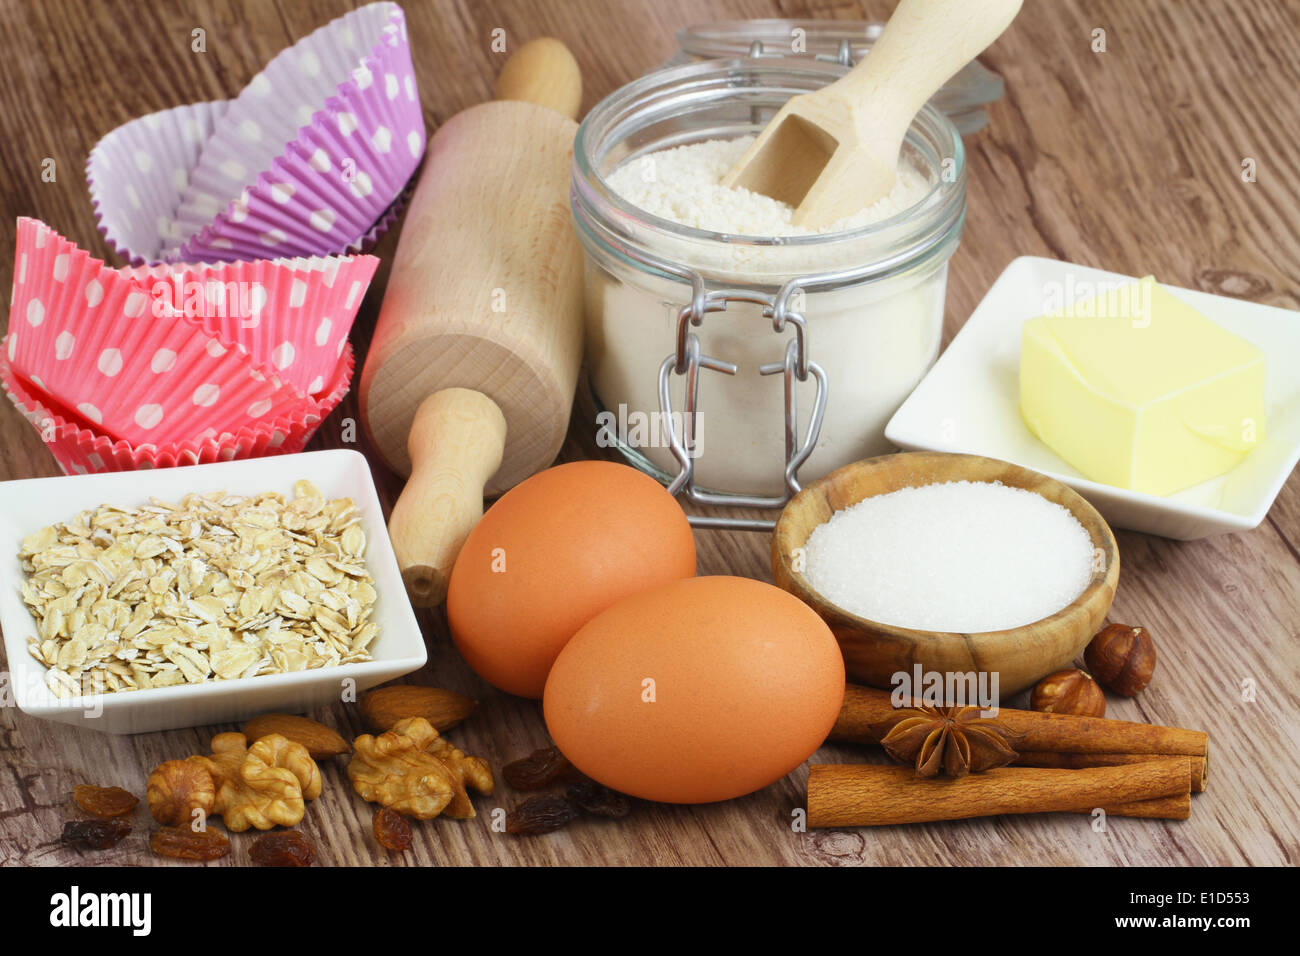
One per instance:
(392, 830)
(283, 848)
(541, 814)
(182, 843)
(598, 800)
(540, 769)
(96, 834)
(104, 802)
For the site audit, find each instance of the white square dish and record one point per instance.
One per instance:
(28, 505)
(970, 402)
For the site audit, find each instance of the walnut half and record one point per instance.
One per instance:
(262, 786)
(412, 770)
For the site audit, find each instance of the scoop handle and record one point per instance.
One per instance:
(543, 72)
(456, 443)
(923, 45)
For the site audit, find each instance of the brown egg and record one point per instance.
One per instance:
(699, 690)
(550, 555)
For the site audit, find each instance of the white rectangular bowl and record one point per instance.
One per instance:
(28, 505)
(970, 402)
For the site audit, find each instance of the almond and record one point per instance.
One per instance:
(320, 741)
(443, 708)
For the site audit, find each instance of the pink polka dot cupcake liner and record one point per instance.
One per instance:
(308, 160)
(289, 316)
(167, 353)
(79, 448)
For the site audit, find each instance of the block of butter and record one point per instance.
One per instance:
(1136, 389)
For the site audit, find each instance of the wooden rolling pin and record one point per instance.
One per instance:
(471, 372)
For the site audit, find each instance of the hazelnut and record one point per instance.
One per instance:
(1122, 658)
(1070, 691)
(177, 788)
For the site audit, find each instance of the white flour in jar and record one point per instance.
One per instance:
(684, 185)
(875, 339)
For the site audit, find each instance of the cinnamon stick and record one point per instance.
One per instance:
(848, 795)
(864, 707)
(1177, 807)
(1068, 761)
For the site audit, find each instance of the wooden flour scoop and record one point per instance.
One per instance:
(834, 152)
(471, 373)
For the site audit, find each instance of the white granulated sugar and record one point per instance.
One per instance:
(684, 185)
(957, 556)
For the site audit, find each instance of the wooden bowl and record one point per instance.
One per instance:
(874, 652)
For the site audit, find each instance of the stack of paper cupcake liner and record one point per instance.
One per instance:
(81, 449)
(168, 356)
(312, 158)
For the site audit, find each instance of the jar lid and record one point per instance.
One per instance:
(843, 41)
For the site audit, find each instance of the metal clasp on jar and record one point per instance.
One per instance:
(843, 55)
(688, 360)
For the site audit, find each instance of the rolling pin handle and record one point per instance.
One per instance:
(543, 72)
(456, 443)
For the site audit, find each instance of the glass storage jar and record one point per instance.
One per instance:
(822, 336)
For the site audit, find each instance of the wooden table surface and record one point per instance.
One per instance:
(1128, 160)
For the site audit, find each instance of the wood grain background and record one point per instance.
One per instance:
(1126, 160)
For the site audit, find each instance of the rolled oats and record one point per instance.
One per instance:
(216, 587)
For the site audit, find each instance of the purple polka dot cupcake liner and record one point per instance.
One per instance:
(310, 159)
(81, 449)
(138, 172)
(166, 353)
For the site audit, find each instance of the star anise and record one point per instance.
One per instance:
(951, 740)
